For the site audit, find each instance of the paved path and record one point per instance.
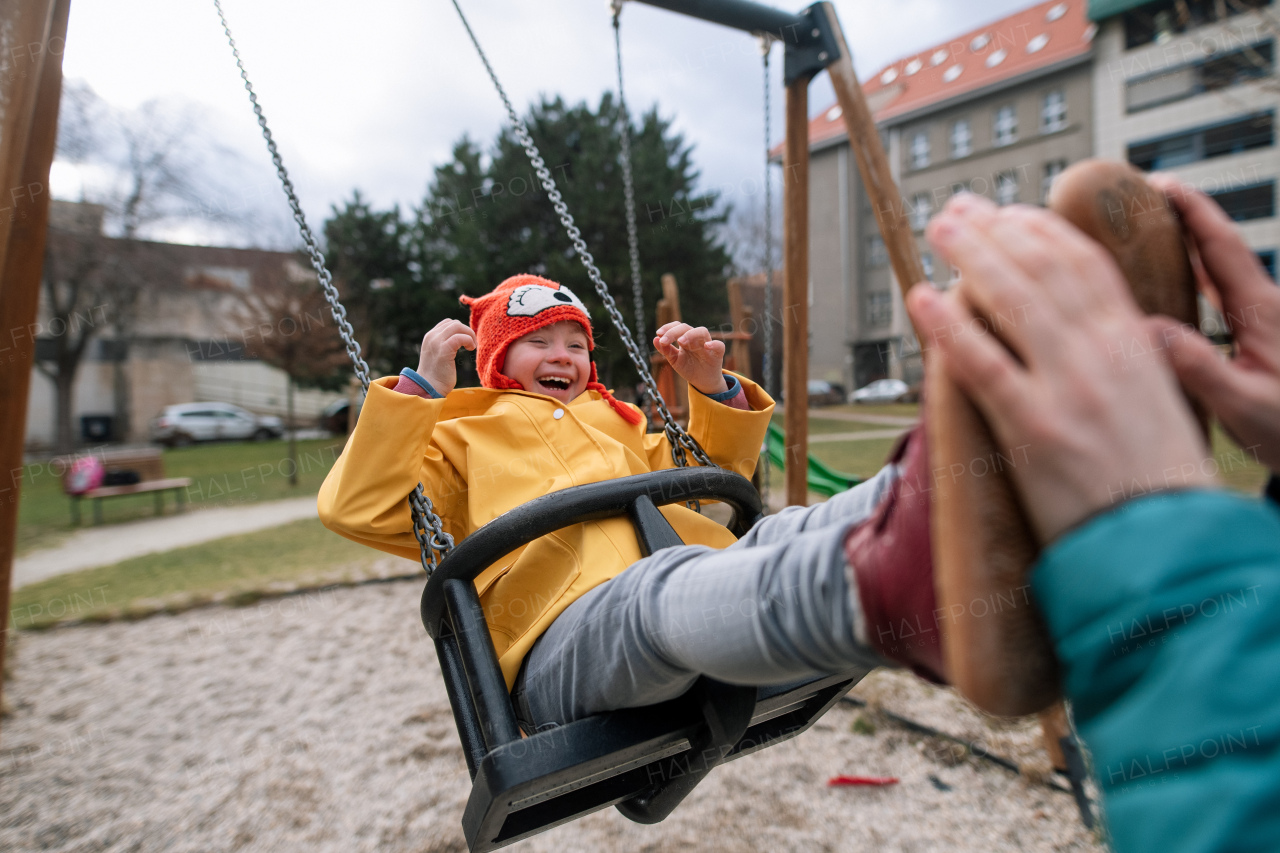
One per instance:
(104, 545)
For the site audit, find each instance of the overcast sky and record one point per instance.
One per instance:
(371, 95)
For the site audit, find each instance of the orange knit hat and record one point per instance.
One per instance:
(520, 305)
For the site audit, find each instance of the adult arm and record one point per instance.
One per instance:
(1165, 613)
(1119, 487)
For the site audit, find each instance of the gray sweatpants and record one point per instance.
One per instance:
(776, 606)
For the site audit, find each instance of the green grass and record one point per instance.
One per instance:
(238, 568)
(223, 474)
(1237, 468)
(900, 410)
(822, 426)
(860, 458)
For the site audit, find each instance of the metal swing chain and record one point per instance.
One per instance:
(681, 442)
(628, 185)
(766, 366)
(428, 529)
(766, 44)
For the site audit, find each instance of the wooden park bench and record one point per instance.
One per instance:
(148, 463)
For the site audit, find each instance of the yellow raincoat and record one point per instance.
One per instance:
(479, 452)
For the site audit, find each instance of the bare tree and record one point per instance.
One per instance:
(151, 168)
(745, 238)
(285, 322)
(73, 293)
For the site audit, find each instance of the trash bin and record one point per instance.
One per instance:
(97, 428)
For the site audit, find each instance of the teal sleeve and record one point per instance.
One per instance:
(1165, 614)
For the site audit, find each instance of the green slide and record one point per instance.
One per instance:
(821, 479)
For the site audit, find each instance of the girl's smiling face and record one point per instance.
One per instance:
(553, 360)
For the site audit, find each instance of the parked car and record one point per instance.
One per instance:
(880, 391)
(186, 423)
(823, 393)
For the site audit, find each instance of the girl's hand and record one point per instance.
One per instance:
(437, 361)
(693, 355)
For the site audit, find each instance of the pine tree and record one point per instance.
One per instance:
(485, 217)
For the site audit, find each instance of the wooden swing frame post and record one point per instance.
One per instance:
(32, 82)
(982, 541)
(809, 48)
(795, 292)
(813, 42)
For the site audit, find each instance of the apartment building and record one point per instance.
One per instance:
(998, 111)
(1189, 87)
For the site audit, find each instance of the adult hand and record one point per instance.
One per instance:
(691, 353)
(437, 362)
(1076, 380)
(1244, 392)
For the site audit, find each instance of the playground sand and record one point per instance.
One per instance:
(319, 722)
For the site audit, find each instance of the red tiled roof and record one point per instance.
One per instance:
(1037, 37)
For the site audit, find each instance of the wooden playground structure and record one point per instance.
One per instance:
(814, 42)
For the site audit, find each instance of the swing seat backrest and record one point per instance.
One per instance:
(642, 760)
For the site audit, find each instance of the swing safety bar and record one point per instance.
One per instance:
(809, 36)
(644, 761)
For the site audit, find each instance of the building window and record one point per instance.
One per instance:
(1159, 22)
(1205, 75)
(236, 278)
(46, 349)
(926, 261)
(961, 139)
(1268, 261)
(1006, 125)
(879, 308)
(1239, 66)
(877, 254)
(1006, 188)
(1053, 112)
(216, 350)
(112, 350)
(1205, 143)
(920, 149)
(1052, 170)
(920, 210)
(1254, 202)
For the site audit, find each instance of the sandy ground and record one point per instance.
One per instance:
(102, 546)
(319, 722)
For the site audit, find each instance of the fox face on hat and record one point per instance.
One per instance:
(520, 305)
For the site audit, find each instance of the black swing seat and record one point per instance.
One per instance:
(642, 760)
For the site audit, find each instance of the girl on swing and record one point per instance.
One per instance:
(581, 623)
